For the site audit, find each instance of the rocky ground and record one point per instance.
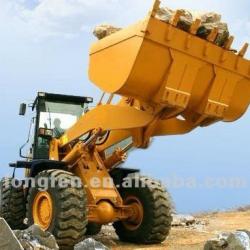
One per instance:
(188, 237)
(228, 231)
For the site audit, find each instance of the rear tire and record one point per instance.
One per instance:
(12, 204)
(155, 223)
(69, 208)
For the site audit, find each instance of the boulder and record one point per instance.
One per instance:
(34, 238)
(238, 240)
(183, 220)
(104, 30)
(8, 239)
(223, 33)
(164, 14)
(209, 21)
(90, 244)
(186, 20)
(209, 17)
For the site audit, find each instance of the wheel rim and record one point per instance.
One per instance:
(135, 221)
(42, 210)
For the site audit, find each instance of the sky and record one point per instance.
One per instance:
(44, 46)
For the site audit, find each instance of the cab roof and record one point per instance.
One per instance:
(61, 98)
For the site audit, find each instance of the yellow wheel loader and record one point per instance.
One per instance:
(170, 82)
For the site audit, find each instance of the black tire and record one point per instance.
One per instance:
(69, 215)
(157, 210)
(93, 229)
(12, 204)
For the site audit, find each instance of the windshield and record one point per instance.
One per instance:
(60, 116)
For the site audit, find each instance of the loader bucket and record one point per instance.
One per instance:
(160, 64)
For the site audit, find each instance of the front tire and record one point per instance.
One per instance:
(61, 210)
(154, 205)
(12, 204)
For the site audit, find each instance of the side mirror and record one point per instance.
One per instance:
(22, 109)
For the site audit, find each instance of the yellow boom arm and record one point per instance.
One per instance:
(171, 81)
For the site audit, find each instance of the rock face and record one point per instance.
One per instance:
(90, 244)
(240, 240)
(34, 238)
(209, 21)
(8, 240)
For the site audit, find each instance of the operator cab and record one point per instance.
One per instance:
(55, 114)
